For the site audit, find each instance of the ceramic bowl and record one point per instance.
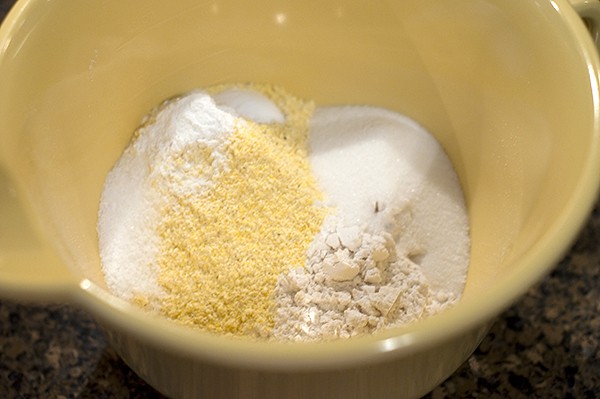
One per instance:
(510, 89)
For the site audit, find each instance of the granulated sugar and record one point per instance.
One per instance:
(227, 214)
(366, 158)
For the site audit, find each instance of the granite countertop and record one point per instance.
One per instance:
(545, 346)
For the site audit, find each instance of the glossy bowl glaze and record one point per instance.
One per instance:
(509, 88)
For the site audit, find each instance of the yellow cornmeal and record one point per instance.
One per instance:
(222, 251)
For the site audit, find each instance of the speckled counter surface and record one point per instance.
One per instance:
(545, 346)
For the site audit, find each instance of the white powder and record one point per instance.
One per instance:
(396, 250)
(156, 160)
(354, 283)
(366, 157)
(249, 104)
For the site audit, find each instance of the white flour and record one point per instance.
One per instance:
(130, 204)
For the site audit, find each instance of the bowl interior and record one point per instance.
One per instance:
(504, 86)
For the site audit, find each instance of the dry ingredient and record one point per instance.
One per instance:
(225, 213)
(233, 205)
(366, 158)
(350, 288)
(397, 248)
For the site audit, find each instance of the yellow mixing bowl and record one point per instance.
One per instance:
(510, 88)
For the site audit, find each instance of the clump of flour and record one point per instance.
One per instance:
(354, 283)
